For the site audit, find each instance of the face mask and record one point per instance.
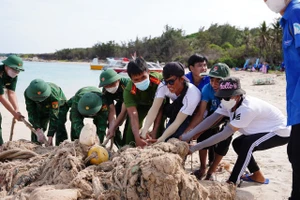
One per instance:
(112, 90)
(143, 85)
(228, 105)
(276, 5)
(12, 73)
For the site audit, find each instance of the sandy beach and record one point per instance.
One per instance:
(273, 163)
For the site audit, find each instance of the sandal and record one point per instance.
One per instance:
(198, 174)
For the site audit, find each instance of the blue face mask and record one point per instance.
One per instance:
(143, 85)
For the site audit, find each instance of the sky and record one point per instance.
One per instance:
(45, 26)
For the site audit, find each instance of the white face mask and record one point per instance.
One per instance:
(276, 5)
(112, 90)
(12, 73)
(228, 105)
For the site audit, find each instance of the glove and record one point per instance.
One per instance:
(40, 136)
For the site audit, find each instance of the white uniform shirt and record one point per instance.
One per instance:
(257, 116)
(190, 100)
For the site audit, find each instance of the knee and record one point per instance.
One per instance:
(236, 145)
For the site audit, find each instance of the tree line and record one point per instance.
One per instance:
(219, 43)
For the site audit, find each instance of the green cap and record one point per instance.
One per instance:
(108, 77)
(219, 70)
(38, 90)
(14, 62)
(89, 104)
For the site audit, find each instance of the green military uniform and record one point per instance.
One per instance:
(7, 82)
(118, 97)
(51, 109)
(100, 118)
(142, 100)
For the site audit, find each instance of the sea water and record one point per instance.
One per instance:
(69, 76)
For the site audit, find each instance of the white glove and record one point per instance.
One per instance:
(40, 136)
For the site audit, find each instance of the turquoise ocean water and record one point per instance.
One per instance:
(69, 76)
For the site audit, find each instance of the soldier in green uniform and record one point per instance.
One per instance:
(46, 103)
(138, 98)
(113, 87)
(89, 102)
(9, 71)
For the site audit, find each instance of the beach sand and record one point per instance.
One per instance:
(273, 163)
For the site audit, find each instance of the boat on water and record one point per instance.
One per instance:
(110, 63)
(120, 65)
(154, 67)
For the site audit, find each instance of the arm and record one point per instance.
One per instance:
(32, 111)
(54, 113)
(173, 127)
(76, 120)
(134, 122)
(8, 107)
(157, 123)
(197, 119)
(121, 117)
(12, 97)
(151, 116)
(111, 116)
(227, 132)
(204, 125)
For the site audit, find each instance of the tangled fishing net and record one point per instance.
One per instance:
(29, 171)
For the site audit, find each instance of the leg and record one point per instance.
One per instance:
(221, 150)
(211, 155)
(245, 146)
(293, 153)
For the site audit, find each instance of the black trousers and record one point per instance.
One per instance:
(244, 146)
(293, 151)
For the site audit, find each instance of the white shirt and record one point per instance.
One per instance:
(190, 100)
(257, 116)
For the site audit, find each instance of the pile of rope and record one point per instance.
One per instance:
(155, 172)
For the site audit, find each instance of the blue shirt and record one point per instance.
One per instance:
(290, 23)
(202, 83)
(208, 95)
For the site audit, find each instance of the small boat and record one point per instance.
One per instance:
(154, 67)
(120, 65)
(110, 63)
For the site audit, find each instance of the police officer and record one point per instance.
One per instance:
(46, 103)
(113, 87)
(9, 72)
(89, 102)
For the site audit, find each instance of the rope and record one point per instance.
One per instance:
(89, 158)
(16, 154)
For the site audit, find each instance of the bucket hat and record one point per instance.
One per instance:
(108, 77)
(230, 87)
(14, 62)
(38, 90)
(89, 104)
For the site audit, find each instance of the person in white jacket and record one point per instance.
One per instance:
(262, 126)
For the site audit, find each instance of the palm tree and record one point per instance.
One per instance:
(263, 38)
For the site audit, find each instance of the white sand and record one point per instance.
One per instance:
(273, 163)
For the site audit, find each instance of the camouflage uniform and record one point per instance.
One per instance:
(99, 119)
(118, 97)
(6, 81)
(53, 109)
(9, 84)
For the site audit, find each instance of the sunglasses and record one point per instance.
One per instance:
(226, 98)
(170, 82)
